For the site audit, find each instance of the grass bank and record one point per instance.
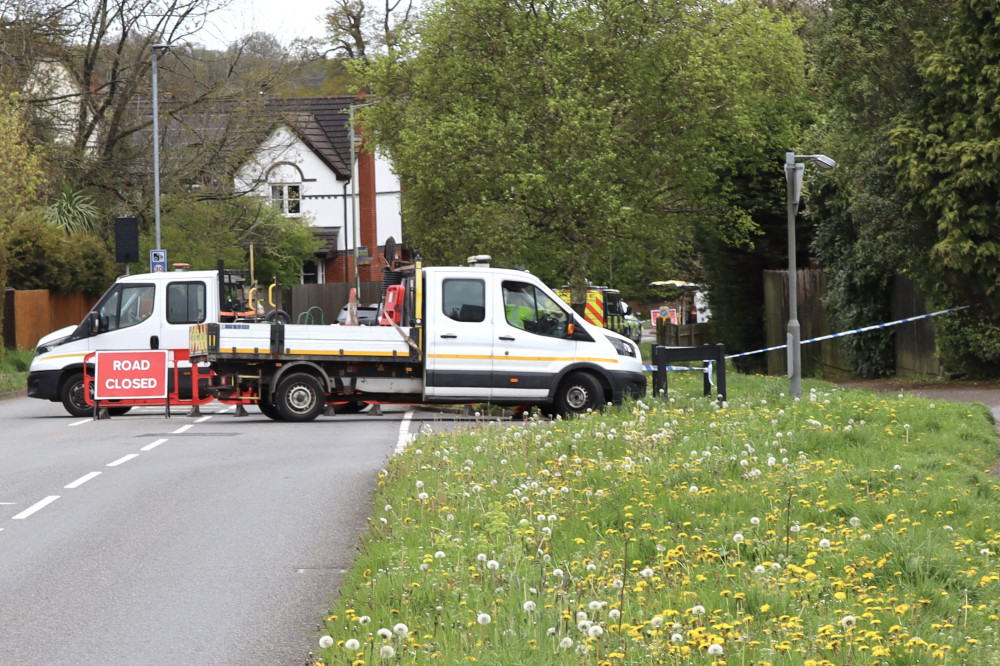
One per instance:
(844, 528)
(14, 369)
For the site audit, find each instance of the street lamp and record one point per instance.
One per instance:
(793, 176)
(354, 212)
(156, 143)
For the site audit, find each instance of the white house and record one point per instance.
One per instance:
(304, 167)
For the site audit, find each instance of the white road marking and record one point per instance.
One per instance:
(83, 479)
(183, 428)
(203, 419)
(405, 437)
(37, 506)
(152, 445)
(123, 459)
(76, 423)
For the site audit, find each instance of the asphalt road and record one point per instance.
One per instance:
(146, 540)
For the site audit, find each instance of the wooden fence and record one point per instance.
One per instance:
(30, 314)
(916, 353)
(328, 298)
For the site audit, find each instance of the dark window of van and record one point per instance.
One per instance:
(186, 302)
(464, 300)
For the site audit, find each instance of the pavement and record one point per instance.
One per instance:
(986, 392)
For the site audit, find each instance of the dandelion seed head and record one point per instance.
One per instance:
(715, 650)
(352, 644)
(386, 652)
(325, 641)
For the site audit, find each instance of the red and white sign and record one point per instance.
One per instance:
(124, 375)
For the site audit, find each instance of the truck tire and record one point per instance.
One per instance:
(72, 396)
(578, 393)
(278, 316)
(299, 397)
(267, 408)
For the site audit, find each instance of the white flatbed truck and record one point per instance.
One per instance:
(466, 334)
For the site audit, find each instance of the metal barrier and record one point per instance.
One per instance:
(173, 396)
(710, 355)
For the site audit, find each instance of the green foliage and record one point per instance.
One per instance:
(42, 256)
(581, 140)
(72, 211)
(948, 151)
(22, 171)
(14, 364)
(864, 236)
(969, 343)
(199, 232)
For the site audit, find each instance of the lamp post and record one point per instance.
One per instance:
(793, 177)
(156, 142)
(354, 207)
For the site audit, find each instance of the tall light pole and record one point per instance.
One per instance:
(793, 177)
(354, 207)
(156, 142)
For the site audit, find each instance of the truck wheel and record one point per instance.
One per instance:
(267, 408)
(579, 392)
(72, 396)
(299, 397)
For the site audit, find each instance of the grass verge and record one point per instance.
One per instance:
(14, 369)
(844, 528)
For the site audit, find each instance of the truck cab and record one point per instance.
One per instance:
(147, 311)
(501, 336)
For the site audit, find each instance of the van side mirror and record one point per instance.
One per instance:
(94, 323)
(570, 329)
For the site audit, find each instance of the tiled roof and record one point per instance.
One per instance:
(322, 123)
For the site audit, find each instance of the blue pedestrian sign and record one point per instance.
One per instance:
(157, 261)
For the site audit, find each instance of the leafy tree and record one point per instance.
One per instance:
(947, 160)
(202, 231)
(22, 170)
(22, 173)
(573, 138)
(43, 256)
(865, 69)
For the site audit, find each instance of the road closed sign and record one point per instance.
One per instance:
(135, 375)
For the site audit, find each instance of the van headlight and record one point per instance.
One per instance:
(623, 347)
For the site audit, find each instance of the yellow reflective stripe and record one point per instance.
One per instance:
(73, 355)
(549, 359)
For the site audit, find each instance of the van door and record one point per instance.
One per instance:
(186, 303)
(459, 339)
(125, 318)
(532, 345)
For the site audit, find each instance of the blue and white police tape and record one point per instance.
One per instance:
(856, 330)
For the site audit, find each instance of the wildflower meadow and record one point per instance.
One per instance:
(843, 528)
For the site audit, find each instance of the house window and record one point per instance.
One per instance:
(287, 198)
(312, 272)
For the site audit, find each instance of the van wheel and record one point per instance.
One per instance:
(299, 397)
(72, 396)
(578, 393)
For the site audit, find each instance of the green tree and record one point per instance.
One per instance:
(22, 173)
(865, 69)
(947, 158)
(573, 138)
(202, 231)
